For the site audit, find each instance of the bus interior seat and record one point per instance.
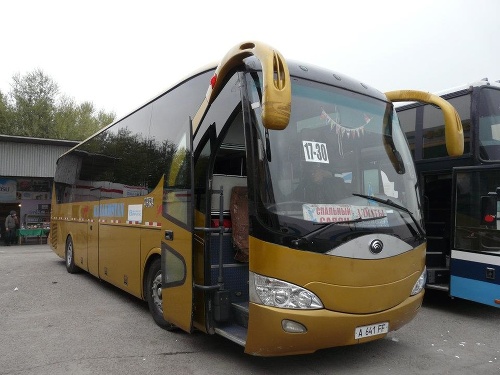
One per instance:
(227, 182)
(240, 222)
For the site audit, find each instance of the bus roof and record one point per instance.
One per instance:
(328, 76)
(297, 69)
(482, 82)
(451, 92)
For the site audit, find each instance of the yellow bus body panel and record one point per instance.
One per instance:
(111, 248)
(354, 292)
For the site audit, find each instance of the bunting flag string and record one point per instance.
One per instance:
(343, 131)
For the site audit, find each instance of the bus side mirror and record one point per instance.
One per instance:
(454, 134)
(489, 210)
(277, 89)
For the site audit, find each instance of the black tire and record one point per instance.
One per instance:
(152, 291)
(69, 257)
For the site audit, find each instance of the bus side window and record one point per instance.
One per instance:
(231, 155)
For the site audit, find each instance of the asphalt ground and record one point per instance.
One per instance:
(53, 322)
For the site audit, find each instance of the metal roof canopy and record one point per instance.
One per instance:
(30, 157)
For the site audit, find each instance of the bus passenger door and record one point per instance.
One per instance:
(475, 258)
(177, 232)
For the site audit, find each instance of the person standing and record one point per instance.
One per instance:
(10, 228)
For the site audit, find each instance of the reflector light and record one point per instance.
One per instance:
(293, 327)
(213, 80)
(497, 301)
(489, 218)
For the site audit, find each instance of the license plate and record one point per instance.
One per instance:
(371, 330)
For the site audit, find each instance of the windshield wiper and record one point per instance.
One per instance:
(325, 226)
(391, 203)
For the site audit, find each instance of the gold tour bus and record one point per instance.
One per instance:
(267, 201)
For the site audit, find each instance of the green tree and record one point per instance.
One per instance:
(33, 103)
(4, 114)
(78, 121)
(35, 108)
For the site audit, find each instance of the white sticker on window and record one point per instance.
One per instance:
(134, 212)
(337, 213)
(315, 152)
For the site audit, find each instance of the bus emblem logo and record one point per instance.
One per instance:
(376, 246)
(149, 202)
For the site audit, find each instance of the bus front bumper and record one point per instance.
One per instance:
(324, 328)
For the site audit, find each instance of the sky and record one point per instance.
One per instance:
(120, 54)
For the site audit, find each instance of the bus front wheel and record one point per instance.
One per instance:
(153, 295)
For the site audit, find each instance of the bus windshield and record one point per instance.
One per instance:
(339, 148)
(489, 124)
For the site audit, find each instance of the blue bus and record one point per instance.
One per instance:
(460, 195)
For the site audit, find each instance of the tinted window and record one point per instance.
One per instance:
(229, 155)
(129, 158)
(489, 124)
(433, 134)
(471, 233)
(407, 120)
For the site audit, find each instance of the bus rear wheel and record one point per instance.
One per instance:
(69, 257)
(153, 295)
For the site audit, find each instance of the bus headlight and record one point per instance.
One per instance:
(420, 284)
(269, 291)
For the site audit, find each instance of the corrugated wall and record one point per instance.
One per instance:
(29, 159)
